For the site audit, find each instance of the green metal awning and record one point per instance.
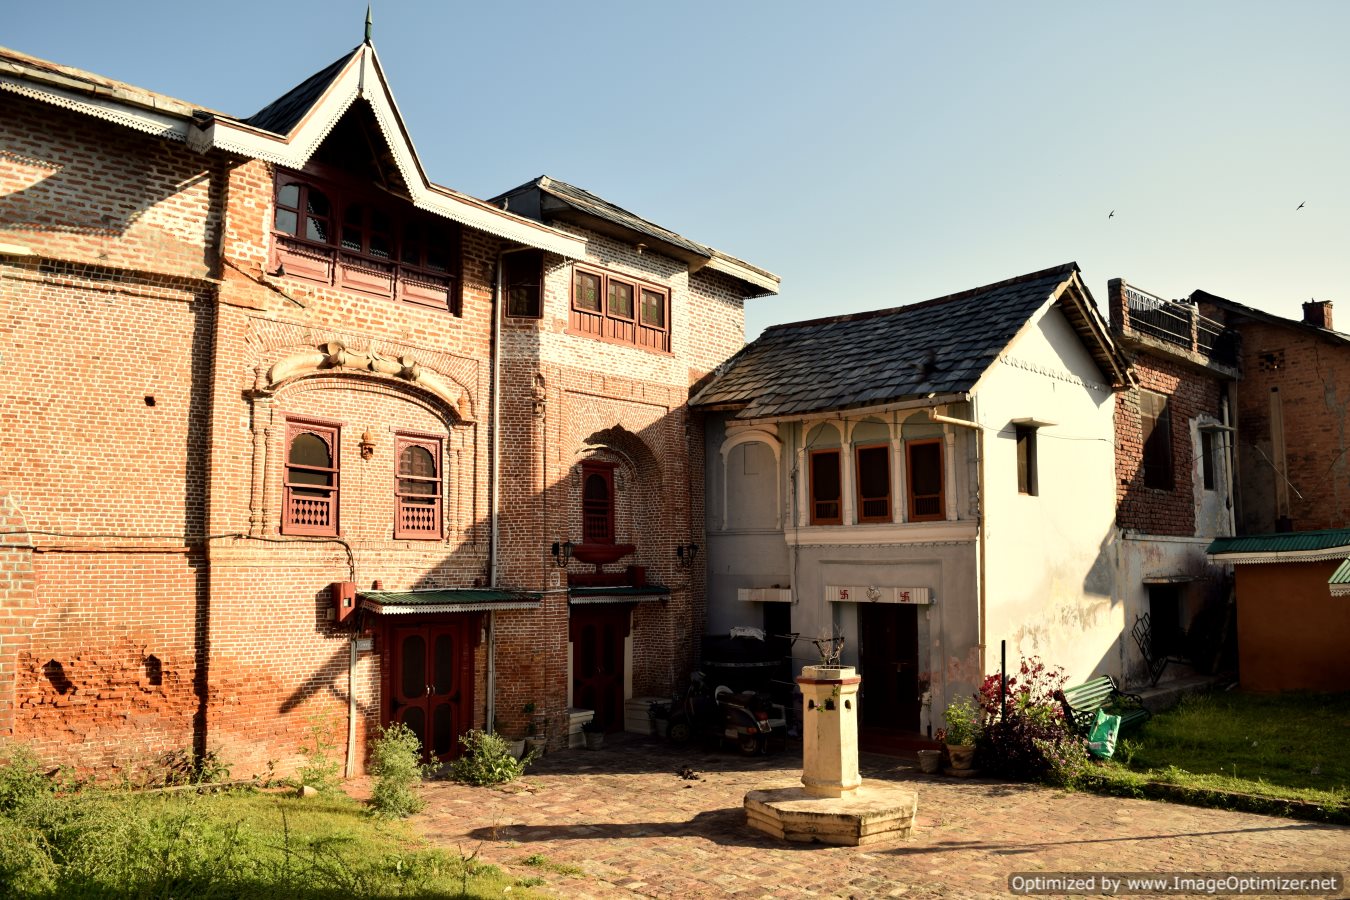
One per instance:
(446, 600)
(1292, 546)
(1340, 580)
(581, 596)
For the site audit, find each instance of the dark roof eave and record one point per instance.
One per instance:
(1251, 312)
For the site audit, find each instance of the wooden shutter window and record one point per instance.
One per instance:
(418, 489)
(926, 501)
(310, 489)
(597, 504)
(524, 276)
(1026, 460)
(826, 493)
(1156, 422)
(874, 483)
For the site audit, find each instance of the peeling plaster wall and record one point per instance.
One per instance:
(1049, 557)
(1153, 556)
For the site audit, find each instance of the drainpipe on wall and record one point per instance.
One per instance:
(980, 521)
(351, 708)
(1229, 459)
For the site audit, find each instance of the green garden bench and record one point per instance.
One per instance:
(1081, 703)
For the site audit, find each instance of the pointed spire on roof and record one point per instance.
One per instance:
(368, 22)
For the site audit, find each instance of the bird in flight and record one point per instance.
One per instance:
(1113, 214)
(1300, 206)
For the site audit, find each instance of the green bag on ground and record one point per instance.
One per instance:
(1102, 740)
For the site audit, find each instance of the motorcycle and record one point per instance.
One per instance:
(750, 721)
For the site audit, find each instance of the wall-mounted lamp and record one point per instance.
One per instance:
(367, 445)
(562, 554)
(685, 553)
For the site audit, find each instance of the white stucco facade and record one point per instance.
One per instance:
(999, 563)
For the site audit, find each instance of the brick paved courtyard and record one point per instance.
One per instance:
(637, 829)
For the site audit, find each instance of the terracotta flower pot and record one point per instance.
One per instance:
(962, 755)
(930, 761)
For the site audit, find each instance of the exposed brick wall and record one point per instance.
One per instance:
(1311, 374)
(148, 600)
(1152, 510)
(1191, 394)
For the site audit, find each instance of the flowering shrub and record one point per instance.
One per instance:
(1033, 742)
(965, 722)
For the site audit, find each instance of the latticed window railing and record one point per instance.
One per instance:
(310, 512)
(419, 518)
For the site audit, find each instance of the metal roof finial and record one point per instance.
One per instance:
(368, 22)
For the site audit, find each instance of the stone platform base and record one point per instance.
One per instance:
(874, 813)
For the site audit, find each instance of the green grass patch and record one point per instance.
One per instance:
(540, 861)
(227, 844)
(1266, 747)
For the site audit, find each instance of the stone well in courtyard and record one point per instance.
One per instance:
(832, 805)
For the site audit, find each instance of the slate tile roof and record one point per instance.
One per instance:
(940, 346)
(285, 112)
(582, 199)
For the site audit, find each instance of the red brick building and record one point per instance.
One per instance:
(1174, 487)
(1293, 417)
(290, 431)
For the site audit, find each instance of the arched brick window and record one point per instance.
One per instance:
(597, 503)
(311, 486)
(418, 489)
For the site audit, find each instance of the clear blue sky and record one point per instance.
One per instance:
(872, 154)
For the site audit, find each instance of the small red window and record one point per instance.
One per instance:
(310, 505)
(926, 502)
(597, 503)
(826, 508)
(418, 489)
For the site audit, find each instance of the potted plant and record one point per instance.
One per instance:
(516, 747)
(595, 734)
(964, 727)
(536, 736)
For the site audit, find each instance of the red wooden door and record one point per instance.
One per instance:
(889, 656)
(598, 635)
(432, 685)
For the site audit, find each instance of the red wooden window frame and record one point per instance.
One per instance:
(303, 510)
(638, 325)
(934, 505)
(1028, 476)
(597, 512)
(360, 242)
(827, 507)
(414, 517)
(881, 502)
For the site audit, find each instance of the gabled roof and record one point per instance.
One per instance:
(284, 113)
(286, 132)
(1287, 546)
(939, 347)
(1260, 315)
(549, 199)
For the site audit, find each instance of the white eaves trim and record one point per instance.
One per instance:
(1340, 590)
(1327, 554)
(159, 124)
(748, 274)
